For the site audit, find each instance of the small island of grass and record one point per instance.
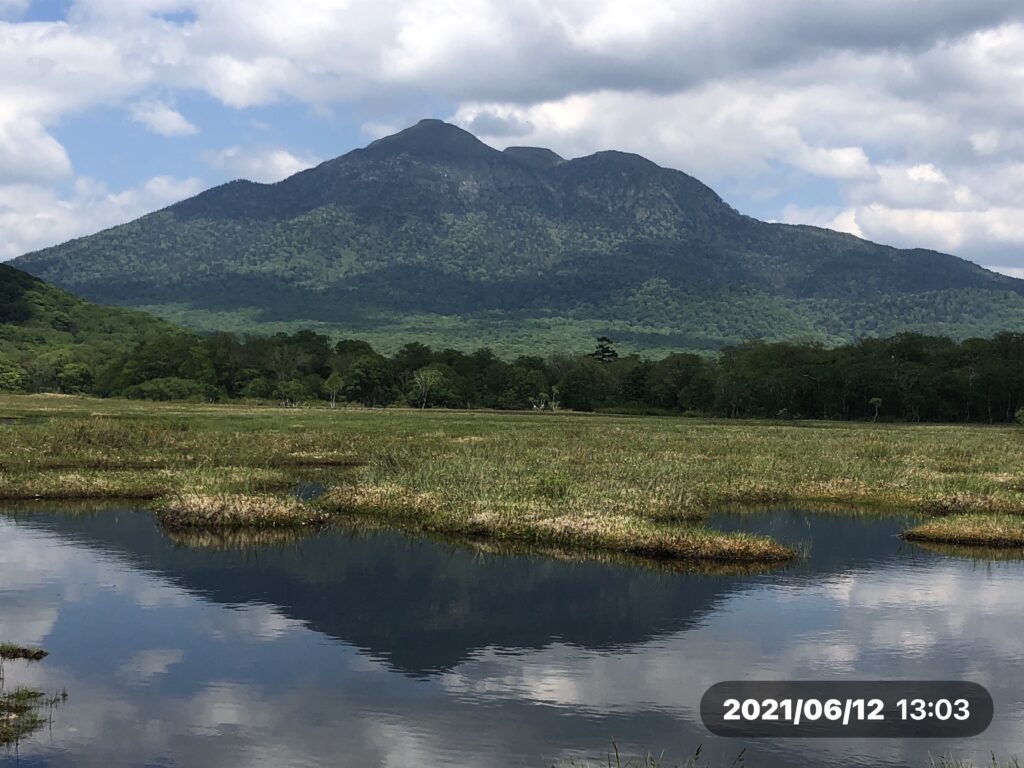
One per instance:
(974, 529)
(583, 529)
(228, 511)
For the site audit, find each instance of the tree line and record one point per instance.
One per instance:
(908, 377)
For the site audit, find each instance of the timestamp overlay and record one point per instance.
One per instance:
(847, 709)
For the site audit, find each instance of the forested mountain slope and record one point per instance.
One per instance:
(50, 339)
(431, 235)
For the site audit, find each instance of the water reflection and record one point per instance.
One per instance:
(375, 649)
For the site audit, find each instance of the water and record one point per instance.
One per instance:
(380, 650)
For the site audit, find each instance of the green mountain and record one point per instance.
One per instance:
(51, 339)
(434, 236)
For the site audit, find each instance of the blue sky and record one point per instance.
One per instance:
(897, 121)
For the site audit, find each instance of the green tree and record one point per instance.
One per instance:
(434, 385)
(425, 381)
(293, 392)
(75, 378)
(586, 387)
(605, 352)
(12, 377)
(332, 386)
(523, 388)
(346, 352)
(369, 381)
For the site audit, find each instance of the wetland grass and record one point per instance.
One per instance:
(22, 709)
(20, 714)
(566, 481)
(25, 711)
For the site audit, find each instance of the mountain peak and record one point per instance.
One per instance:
(534, 157)
(433, 138)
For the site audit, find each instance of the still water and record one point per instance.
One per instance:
(380, 650)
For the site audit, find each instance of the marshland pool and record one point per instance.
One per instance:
(382, 650)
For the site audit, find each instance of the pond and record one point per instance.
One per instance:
(382, 650)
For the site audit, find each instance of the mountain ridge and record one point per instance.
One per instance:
(431, 234)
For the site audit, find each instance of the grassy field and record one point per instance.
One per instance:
(614, 484)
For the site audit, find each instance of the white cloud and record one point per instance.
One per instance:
(265, 166)
(714, 132)
(29, 153)
(162, 119)
(34, 216)
(1011, 271)
(148, 664)
(996, 234)
(835, 162)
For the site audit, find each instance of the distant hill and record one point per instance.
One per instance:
(45, 329)
(432, 235)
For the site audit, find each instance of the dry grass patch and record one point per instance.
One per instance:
(193, 510)
(982, 530)
(83, 485)
(972, 503)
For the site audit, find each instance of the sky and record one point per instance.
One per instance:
(901, 121)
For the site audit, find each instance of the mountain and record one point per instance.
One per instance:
(44, 330)
(432, 235)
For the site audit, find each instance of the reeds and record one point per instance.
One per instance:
(22, 713)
